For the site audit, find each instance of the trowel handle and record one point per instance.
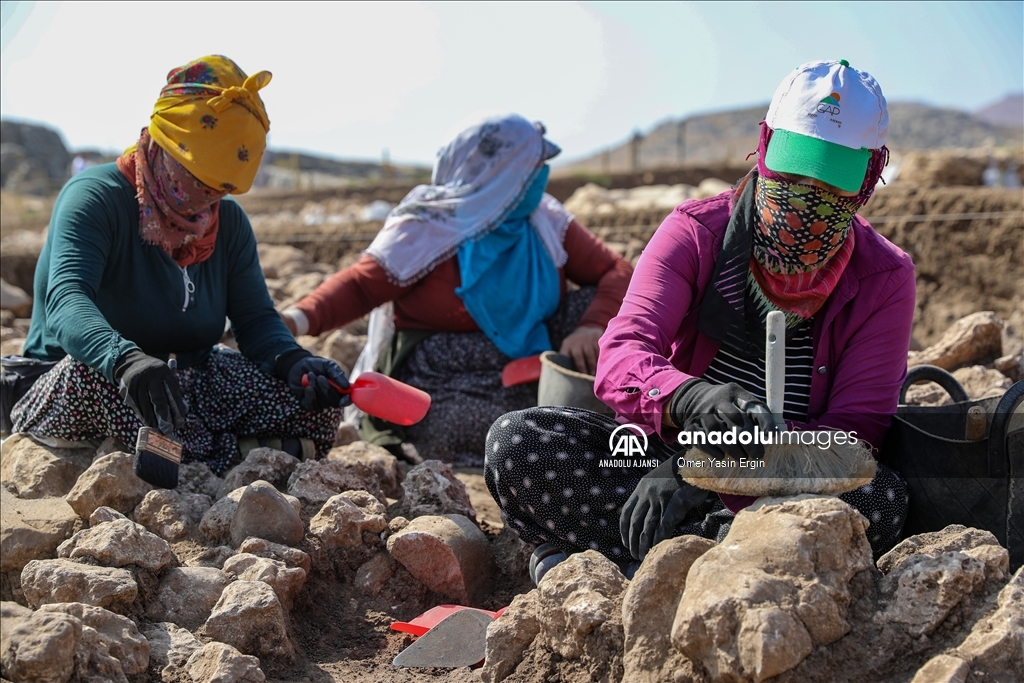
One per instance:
(775, 364)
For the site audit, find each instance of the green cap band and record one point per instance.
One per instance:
(828, 162)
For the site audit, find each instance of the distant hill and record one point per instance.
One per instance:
(1008, 112)
(729, 136)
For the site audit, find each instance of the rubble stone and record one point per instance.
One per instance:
(649, 608)
(383, 464)
(344, 517)
(49, 581)
(431, 488)
(32, 529)
(109, 481)
(286, 581)
(448, 554)
(221, 663)
(995, 645)
(971, 339)
(186, 595)
(37, 471)
(980, 544)
(249, 617)
(293, 557)
(775, 588)
(508, 637)
(14, 299)
(942, 669)
(172, 515)
(196, 477)
(119, 543)
(314, 481)
(928, 588)
(373, 575)
(265, 512)
(266, 464)
(214, 557)
(111, 646)
(216, 523)
(170, 646)
(37, 647)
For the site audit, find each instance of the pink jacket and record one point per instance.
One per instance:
(861, 335)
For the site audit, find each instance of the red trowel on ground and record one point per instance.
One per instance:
(450, 636)
(386, 398)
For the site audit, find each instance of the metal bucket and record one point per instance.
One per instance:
(562, 385)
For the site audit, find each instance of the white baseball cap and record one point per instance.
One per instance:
(827, 117)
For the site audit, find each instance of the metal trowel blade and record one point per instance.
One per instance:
(459, 640)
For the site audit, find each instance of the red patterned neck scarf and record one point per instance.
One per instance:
(177, 212)
(801, 245)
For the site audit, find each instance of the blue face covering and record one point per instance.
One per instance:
(509, 284)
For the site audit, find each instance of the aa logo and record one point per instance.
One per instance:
(624, 442)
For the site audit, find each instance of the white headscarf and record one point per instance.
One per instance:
(479, 177)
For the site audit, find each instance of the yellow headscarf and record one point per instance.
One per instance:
(212, 121)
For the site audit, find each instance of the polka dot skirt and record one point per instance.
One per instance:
(228, 397)
(544, 468)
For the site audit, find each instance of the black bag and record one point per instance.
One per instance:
(17, 375)
(953, 479)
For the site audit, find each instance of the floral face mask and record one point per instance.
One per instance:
(800, 227)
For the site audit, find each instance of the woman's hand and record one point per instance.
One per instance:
(582, 347)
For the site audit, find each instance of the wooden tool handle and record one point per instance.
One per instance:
(775, 364)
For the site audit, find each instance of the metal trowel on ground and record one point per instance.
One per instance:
(460, 639)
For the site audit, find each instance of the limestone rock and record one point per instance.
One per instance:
(109, 481)
(265, 512)
(509, 636)
(111, 645)
(373, 575)
(37, 647)
(448, 554)
(292, 557)
(221, 663)
(972, 339)
(344, 517)
(347, 433)
(32, 529)
(212, 557)
(314, 481)
(37, 471)
(170, 646)
(119, 543)
(431, 488)
(286, 581)
(977, 543)
(172, 515)
(281, 260)
(571, 626)
(14, 299)
(49, 581)
(343, 347)
(186, 595)
(249, 617)
(775, 588)
(216, 522)
(383, 464)
(266, 464)
(928, 588)
(980, 382)
(942, 669)
(103, 514)
(196, 477)
(649, 607)
(995, 646)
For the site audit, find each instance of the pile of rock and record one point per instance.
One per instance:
(592, 199)
(791, 594)
(104, 576)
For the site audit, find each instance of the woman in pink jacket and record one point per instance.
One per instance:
(686, 350)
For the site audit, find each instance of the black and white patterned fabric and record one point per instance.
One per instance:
(462, 373)
(544, 468)
(228, 398)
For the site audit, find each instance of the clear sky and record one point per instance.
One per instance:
(351, 79)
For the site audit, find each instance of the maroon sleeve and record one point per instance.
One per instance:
(348, 295)
(592, 263)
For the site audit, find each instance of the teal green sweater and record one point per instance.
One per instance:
(100, 291)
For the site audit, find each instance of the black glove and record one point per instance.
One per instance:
(657, 505)
(701, 406)
(310, 379)
(150, 388)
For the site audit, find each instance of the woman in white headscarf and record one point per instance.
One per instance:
(469, 273)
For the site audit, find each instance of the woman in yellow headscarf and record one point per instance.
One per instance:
(144, 261)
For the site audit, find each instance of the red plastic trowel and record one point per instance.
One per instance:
(386, 398)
